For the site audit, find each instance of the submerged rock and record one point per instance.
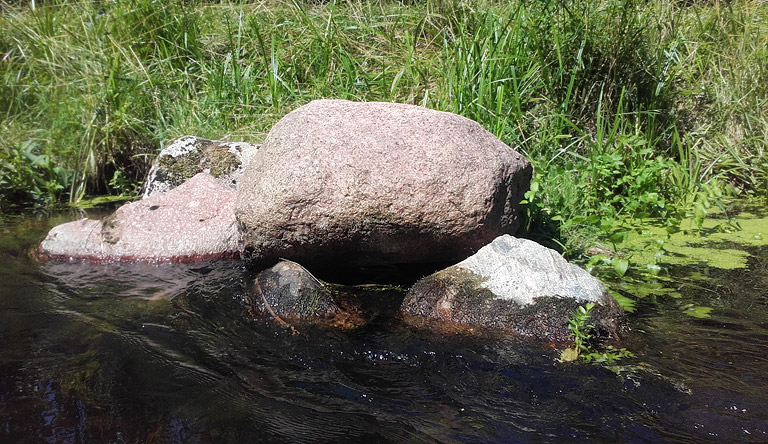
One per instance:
(289, 290)
(513, 284)
(189, 155)
(190, 222)
(290, 294)
(364, 184)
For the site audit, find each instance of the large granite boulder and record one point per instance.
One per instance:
(189, 155)
(513, 284)
(193, 221)
(359, 184)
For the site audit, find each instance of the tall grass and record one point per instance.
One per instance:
(625, 107)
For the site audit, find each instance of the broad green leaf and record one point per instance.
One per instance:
(620, 265)
(626, 303)
(698, 311)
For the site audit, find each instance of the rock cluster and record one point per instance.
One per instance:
(345, 184)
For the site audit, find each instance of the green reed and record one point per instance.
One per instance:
(626, 108)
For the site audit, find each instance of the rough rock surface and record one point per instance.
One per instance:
(290, 294)
(192, 221)
(513, 284)
(377, 183)
(289, 290)
(190, 155)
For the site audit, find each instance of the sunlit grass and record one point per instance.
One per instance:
(626, 108)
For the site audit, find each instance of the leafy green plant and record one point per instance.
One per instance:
(122, 185)
(581, 333)
(25, 170)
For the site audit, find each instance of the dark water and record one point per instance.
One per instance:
(164, 354)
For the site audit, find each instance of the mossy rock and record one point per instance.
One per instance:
(293, 297)
(190, 155)
(513, 285)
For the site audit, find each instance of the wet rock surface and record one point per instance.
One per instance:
(377, 183)
(512, 284)
(290, 290)
(190, 222)
(190, 155)
(291, 295)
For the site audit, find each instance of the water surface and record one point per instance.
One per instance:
(138, 353)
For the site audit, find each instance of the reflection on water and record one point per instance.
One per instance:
(162, 353)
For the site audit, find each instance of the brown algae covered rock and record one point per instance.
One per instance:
(190, 222)
(291, 295)
(359, 184)
(513, 284)
(290, 290)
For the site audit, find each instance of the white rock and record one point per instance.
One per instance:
(521, 270)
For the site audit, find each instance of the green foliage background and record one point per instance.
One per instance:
(627, 108)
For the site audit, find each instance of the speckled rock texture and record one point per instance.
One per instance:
(293, 297)
(288, 293)
(357, 184)
(189, 155)
(513, 284)
(193, 221)
(288, 290)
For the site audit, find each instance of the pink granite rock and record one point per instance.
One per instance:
(195, 220)
(345, 183)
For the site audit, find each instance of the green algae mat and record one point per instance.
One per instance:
(639, 265)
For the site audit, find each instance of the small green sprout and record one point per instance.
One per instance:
(582, 347)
